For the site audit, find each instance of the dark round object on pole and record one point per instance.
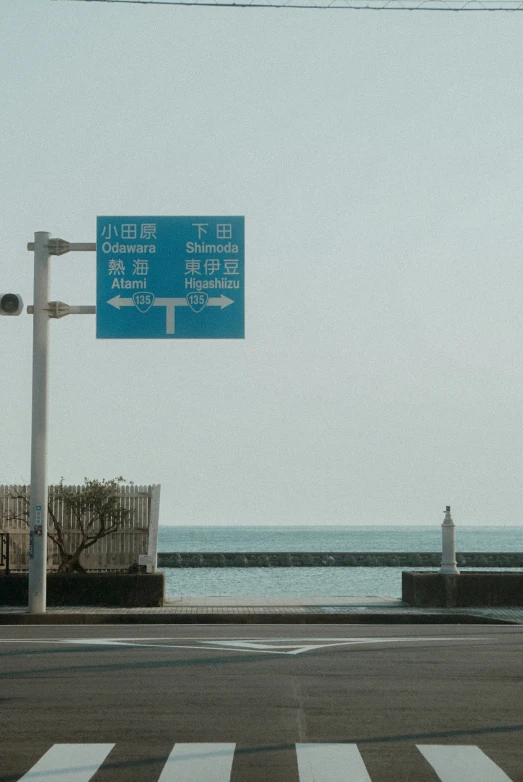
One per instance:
(9, 303)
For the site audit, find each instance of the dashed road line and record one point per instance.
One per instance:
(331, 763)
(463, 763)
(199, 763)
(68, 763)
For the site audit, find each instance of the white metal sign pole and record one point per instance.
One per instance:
(38, 512)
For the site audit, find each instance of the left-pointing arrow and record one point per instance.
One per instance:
(118, 302)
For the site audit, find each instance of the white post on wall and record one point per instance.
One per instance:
(154, 519)
(448, 536)
(38, 507)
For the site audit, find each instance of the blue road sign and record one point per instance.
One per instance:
(170, 278)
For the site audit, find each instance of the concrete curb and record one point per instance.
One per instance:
(227, 617)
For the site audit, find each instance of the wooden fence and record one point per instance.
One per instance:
(136, 541)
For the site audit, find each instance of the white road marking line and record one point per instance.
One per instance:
(463, 763)
(69, 763)
(330, 763)
(206, 645)
(266, 646)
(199, 763)
(270, 646)
(263, 646)
(32, 641)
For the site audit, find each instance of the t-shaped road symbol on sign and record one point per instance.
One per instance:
(144, 301)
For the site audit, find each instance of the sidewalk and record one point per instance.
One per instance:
(262, 610)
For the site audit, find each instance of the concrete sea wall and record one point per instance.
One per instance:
(333, 559)
(89, 589)
(469, 589)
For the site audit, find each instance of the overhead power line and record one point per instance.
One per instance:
(354, 5)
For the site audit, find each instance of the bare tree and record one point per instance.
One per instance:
(96, 512)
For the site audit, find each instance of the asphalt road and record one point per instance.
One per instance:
(245, 703)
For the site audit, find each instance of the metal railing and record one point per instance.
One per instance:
(137, 537)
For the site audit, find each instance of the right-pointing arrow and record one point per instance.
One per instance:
(219, 301)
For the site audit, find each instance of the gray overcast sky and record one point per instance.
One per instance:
(378, 160)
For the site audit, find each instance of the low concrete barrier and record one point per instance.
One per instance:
(333, 559)
(466, 590)
(123, 590)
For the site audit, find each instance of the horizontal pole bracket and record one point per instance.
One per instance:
(57, 309)
(60, 246)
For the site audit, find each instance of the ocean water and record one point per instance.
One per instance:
(273, 582)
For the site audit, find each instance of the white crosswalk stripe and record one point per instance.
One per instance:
(330, 763)
(199, 763)
(69, 763)
(212, 762)
(463, 763)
